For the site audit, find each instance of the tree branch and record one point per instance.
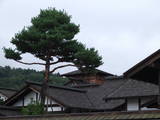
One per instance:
(58, 61)
(55, 62)
(68, 65)
(34, 63)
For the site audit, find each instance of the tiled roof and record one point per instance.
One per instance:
(146, 70)
(94, 96)
(68, 98)
(134, 88)
(7, 92)
(78, 98)
(9, 111)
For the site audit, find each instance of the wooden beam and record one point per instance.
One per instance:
(139, 103)
(141, 65)
(155, 66)
(126, 104)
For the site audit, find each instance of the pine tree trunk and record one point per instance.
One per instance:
(45, 84)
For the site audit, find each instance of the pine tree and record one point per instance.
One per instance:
(51, 39)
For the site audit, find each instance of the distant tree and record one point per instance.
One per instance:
(15, 77)
(50, 38)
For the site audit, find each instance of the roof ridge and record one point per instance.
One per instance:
(60, 87)
(114, 91)
(131, 82)
(8, 89)
(84, 85)
(80, 72)
(115, 77)
(73, 78)
(15, 94)
(143, 61)
(89, 100)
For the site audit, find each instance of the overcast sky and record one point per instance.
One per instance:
(123, 31)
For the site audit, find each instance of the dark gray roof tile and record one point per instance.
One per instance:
(97, 94)
(134, 88)
(87, 98)
(7, 92)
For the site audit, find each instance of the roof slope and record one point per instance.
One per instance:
(96, 94)
(134, 88)
(9, 111)
(88, 98)
(84, 98)
(67, 97)
(141, 65)
(7, 92)
(116, 89)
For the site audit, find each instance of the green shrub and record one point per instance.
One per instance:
(34, 108)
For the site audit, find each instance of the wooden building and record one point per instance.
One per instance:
(65, 99)
(78, 77)
(136, 90)
(115, 94)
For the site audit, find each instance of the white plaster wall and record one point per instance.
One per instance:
(145, 108)
(32, 96)
(55, 109)
(29, 98)
(49, 101)
(132, 104)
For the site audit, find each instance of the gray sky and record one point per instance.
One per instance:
(123, 31)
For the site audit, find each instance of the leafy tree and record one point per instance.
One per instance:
(51, 39)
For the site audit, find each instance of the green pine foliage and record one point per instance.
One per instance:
(16, 77)
(50, 37)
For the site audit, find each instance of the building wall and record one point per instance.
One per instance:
(29, 98)
(26, 99)
(132, 104)
(34, 96)
(97, 79)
